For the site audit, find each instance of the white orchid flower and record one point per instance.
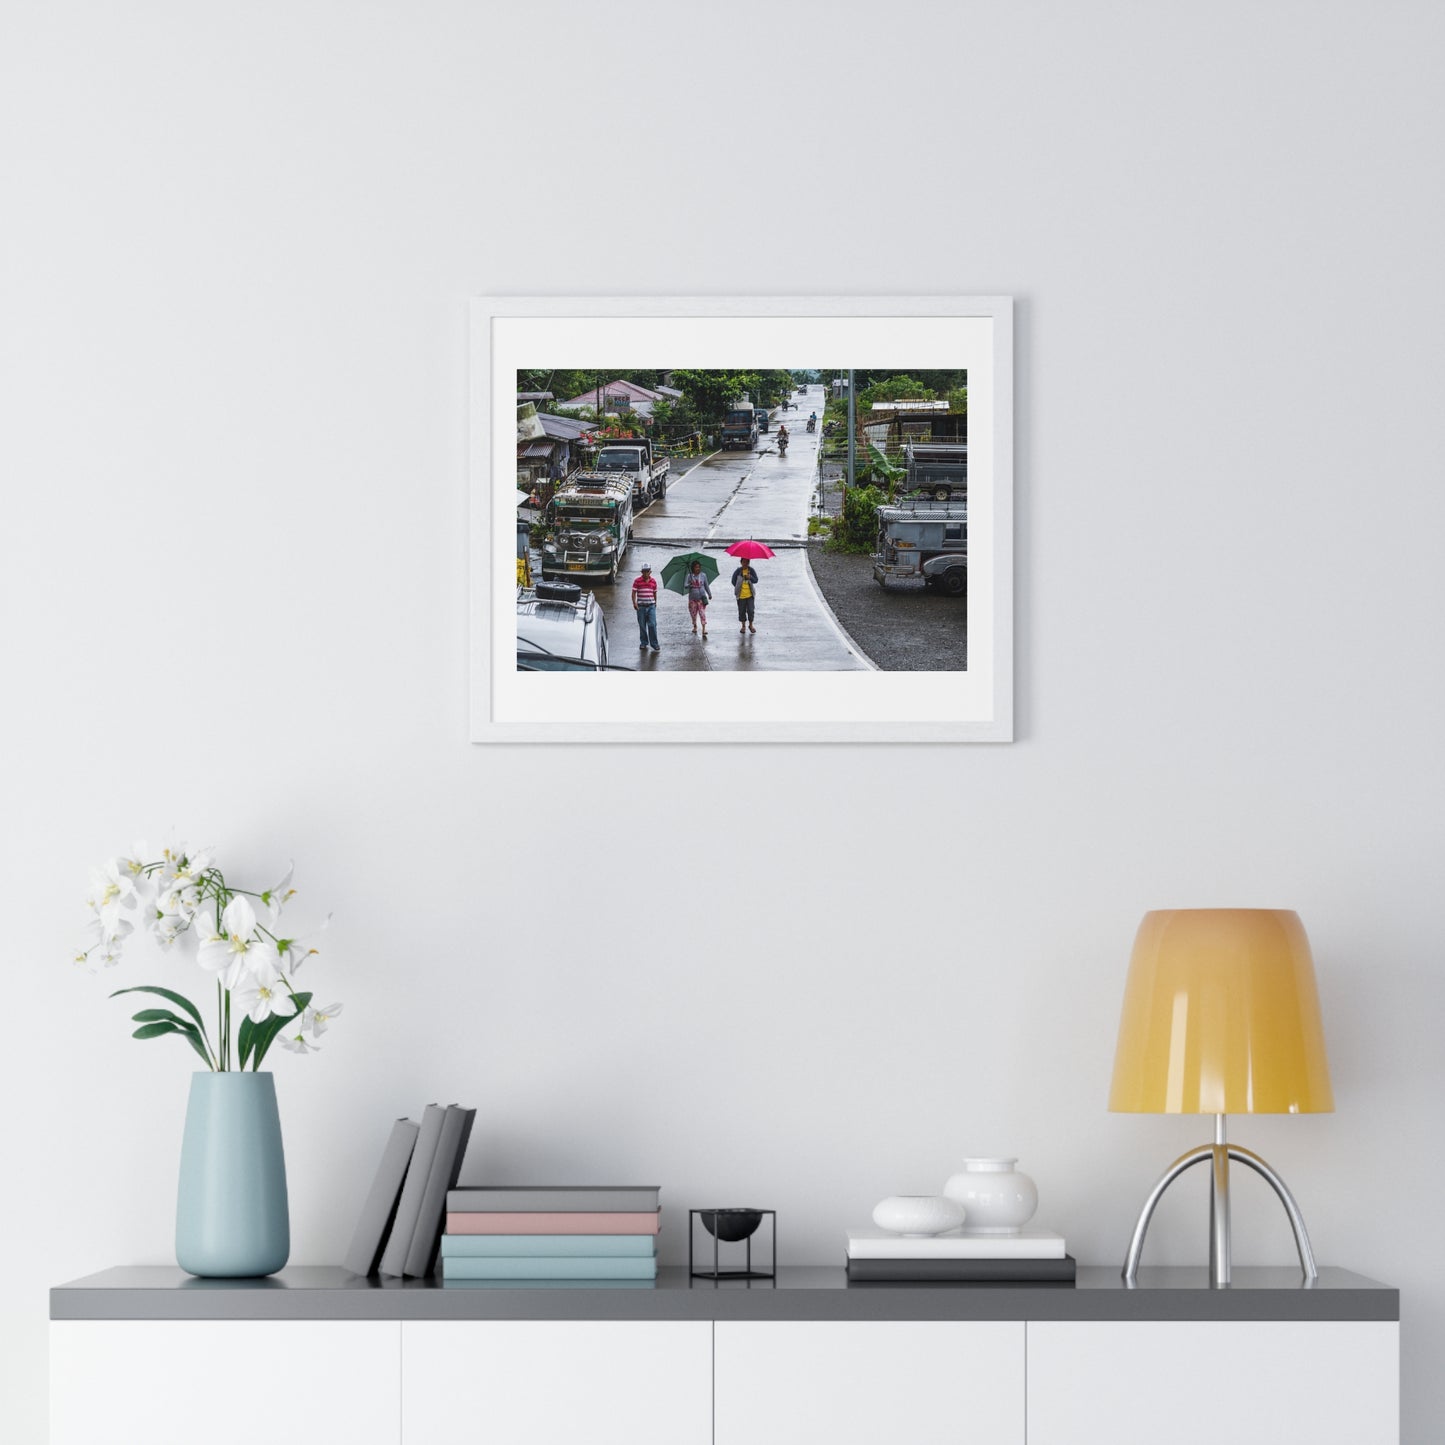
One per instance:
(261, 1000)
(134, 865)
(167, 927)
(293, 1037)
(316, 1020)
(111, 889)
(232, 947)
(280, 894)
(295, 951)
(264, 961)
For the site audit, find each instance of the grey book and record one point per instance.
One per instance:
(554, 1199)
(446, 1165)
(408, 1207)
(380, 1208)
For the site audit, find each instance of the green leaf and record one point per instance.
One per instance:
(192, 1033)
(179, 999)
(154, 1031)
(246, 1038)
(265, 1033)
(156, 1015)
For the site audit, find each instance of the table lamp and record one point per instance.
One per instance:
(1221, 1016)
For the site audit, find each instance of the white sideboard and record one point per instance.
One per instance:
(868, 1382)
(225, 1382)
(318, 1356)
(1251, 1382)
(605, 1382)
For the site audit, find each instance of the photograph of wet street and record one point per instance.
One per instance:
(721, 521)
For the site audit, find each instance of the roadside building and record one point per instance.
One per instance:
(891, 425)
(616, 396)
(550, 453)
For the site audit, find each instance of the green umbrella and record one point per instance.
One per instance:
(675, 571)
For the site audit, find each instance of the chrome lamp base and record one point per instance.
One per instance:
(1219, 1154)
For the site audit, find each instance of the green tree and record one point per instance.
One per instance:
(710, 393)
(895, 388)
(857, 529)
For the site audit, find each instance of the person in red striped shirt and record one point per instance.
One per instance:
(644, 604)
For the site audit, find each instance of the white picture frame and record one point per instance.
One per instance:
(972, 705)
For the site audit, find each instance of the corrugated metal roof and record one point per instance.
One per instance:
(538, 449)
(628, 389)
(568, 428)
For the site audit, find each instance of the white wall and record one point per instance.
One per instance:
(237, 249)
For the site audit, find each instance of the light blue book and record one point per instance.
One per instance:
(575, 1267)
(555, 1246)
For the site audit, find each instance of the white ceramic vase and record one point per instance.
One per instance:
(916, 1216)
(997, 1198)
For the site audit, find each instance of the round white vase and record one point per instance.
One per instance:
(998, 1199)
(918, 1215)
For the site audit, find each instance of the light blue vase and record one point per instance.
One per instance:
(231, 1216)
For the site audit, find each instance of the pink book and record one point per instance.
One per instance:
(530, 1223)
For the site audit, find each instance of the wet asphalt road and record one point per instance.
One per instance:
(720, 500)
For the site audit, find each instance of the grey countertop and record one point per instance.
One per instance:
(799, 1293)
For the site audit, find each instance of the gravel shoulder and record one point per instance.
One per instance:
(902, 627)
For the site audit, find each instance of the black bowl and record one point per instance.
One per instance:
(731, 1225)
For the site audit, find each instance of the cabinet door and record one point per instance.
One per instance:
(869, 1383)
(225, 1382)
(554, 1382)
(1284, 1383)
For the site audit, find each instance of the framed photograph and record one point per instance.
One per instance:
(731, 519)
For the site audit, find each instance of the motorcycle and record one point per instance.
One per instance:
(782, 444)
(812, 423)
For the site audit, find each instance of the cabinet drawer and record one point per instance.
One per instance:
(869, 1383)
(1197, 1383)
(225, 1382)
(555, 1382)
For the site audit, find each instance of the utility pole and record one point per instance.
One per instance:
(852, 428)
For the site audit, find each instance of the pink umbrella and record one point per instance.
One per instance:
(750, 549)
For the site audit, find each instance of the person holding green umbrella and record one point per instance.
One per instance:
(691, 575)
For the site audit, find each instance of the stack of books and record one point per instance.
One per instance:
(522, 1232)
(1032, 1256)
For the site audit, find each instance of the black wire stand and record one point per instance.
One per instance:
(722, 1271)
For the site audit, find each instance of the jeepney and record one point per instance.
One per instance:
(590, 517)
(924, 540)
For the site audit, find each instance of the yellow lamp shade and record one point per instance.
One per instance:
(1221, 1016)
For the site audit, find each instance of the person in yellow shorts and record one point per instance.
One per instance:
(745, 588)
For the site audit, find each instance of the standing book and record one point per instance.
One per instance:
(446, 1166)
(408, 1208)
(380, 1208)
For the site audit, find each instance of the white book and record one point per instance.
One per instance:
(1026, 1244)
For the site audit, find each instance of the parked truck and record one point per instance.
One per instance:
(937, 469)
(764, 417)
(740, 427)
(636, 459)
(924, 541)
